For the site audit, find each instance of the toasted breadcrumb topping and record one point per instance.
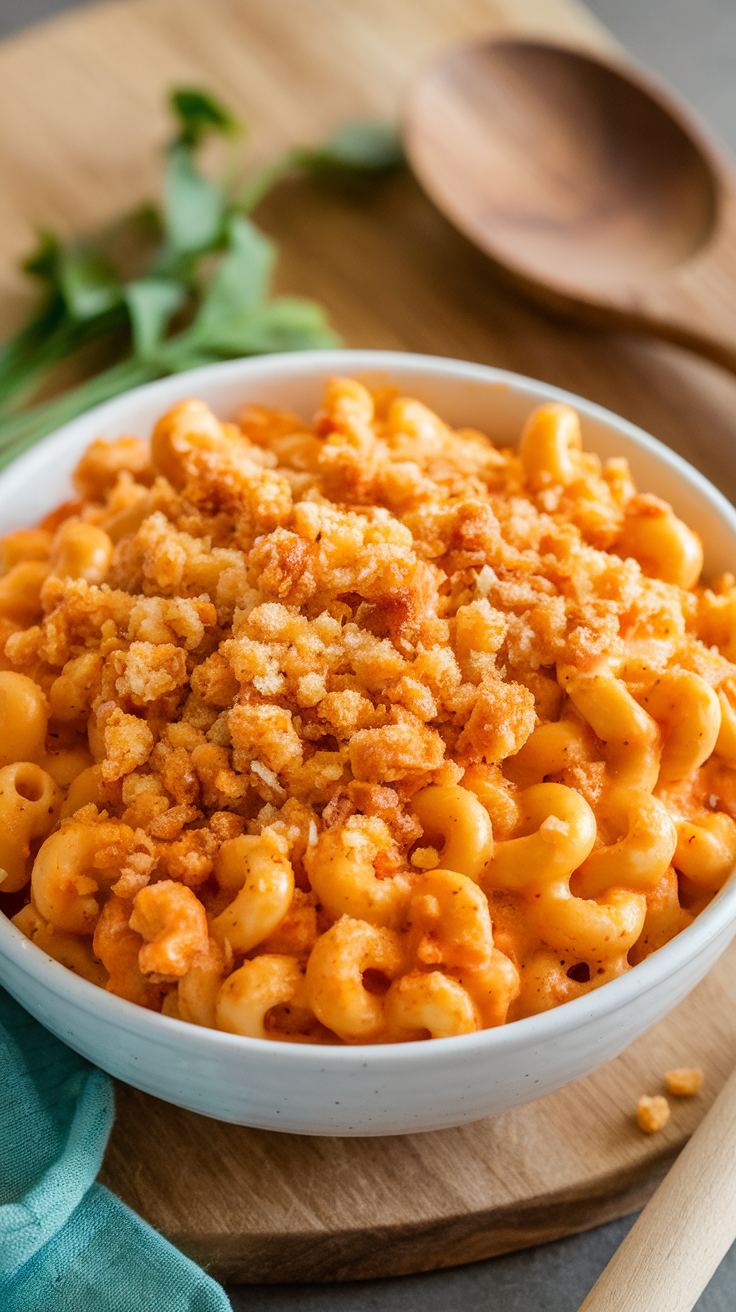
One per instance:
(685, 1081)
(291, 628)
(652, 1114)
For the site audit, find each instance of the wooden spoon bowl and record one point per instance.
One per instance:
(585, 182)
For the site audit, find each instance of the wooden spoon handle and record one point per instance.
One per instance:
(670, 1254)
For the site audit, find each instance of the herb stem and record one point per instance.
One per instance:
(263, 180)
(19, 432)
(31, 357)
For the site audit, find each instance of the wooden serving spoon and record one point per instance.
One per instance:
(586, 182)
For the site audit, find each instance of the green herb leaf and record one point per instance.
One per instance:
(283, 324)
(83, 302)
(78, 272)
(151, 303)
(198, 114)
(241, 280)
(87, 283)
(193, 206)
(43, 263)
(359, 146)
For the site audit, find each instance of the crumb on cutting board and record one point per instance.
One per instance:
(685, 1081)
(652, 1113)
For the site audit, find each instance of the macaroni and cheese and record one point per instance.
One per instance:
(363, 730)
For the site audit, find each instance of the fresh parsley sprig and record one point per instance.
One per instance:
(170, 287)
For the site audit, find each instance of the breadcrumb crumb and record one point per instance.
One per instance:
(425, 858)
(652, 1114)
(685, 1081)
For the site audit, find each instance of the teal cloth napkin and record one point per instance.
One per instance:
(66, 1243)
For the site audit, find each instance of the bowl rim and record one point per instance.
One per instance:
(531, 1031)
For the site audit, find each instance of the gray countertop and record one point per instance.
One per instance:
(692, 45)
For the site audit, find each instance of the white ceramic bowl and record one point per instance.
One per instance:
(387, 1089)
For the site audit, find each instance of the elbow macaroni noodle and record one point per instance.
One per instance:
(361, 731)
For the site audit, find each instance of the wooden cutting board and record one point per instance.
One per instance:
(81, 124)
(256, 1206)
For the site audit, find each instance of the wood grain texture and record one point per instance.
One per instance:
(80, 126)
(82, 114)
